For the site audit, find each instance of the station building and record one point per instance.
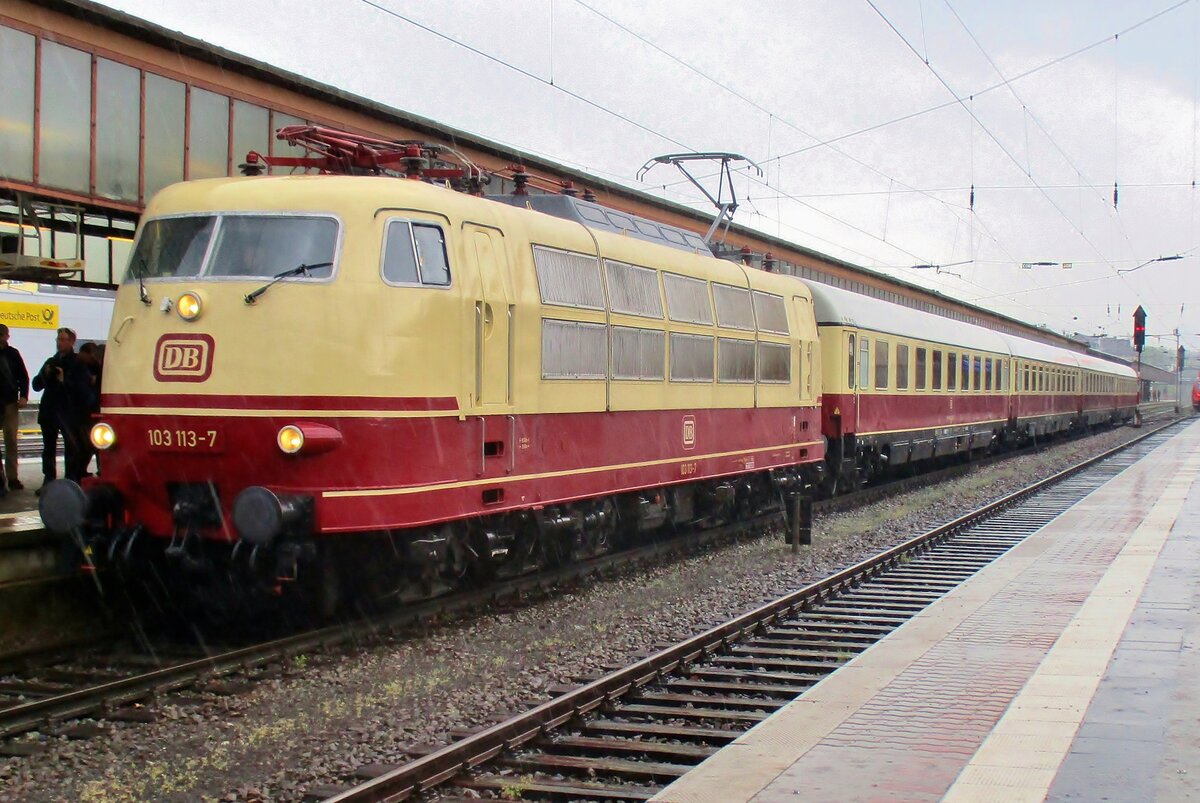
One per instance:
(99, 110)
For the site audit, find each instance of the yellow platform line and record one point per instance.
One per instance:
(1056, 697)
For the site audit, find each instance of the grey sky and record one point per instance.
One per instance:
(1124, 111)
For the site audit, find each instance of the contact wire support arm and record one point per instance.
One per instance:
(725, 209)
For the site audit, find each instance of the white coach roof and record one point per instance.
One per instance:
(836, 307)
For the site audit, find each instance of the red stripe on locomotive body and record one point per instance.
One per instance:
(197, 401)
(392, 473)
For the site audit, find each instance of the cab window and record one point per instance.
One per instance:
(415, 253)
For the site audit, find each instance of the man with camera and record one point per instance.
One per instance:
(66, 388)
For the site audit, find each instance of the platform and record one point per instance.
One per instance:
(1069, 669)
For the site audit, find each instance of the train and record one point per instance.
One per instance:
(1196, 396)
(326, 386)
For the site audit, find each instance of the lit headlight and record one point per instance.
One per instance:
(290, 439)
(103, 436)
(188, 306)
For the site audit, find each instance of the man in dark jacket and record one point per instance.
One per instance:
(64, 382)
(14, 394)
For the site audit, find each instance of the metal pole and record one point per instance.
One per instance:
(1178, 375)
(800, 517)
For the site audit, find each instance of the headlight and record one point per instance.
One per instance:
(188, 306)
(103, 436)
(290, 439)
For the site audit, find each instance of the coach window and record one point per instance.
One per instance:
(978, 370)
(864, 363)
(1025, 371)
(951, 370)
(987, 373)
(415, 253)
(901, 366)
(881, 364)
(850, 363)
(937, 369)
(965, 379)
(919, 380)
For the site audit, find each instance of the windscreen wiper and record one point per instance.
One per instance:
(143, 295)
(296, 271)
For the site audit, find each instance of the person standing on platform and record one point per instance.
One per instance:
(65, 386)
(14, 394)
(90, 356)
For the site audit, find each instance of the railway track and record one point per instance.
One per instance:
(628, 734)
(49, 689)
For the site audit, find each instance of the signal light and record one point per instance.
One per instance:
(1139, 329)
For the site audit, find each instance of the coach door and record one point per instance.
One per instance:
(493, 318)
(850, 405)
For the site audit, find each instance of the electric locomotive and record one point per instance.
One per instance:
(319, 381)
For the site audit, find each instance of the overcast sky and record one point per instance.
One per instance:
(603, 85)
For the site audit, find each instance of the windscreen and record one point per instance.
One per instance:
(258, 246)
(171, 247)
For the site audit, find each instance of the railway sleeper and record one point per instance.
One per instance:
(806, 628)
(778, 690)
(817, 641)
(595, 766)
(672, 712)
(580, 790)
(824, 656)
(879, 603)
(751, 675)
(619, 745)
(746, 703)
(717, 736)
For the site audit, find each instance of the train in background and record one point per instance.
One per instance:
(1196, 396)
(322, 382)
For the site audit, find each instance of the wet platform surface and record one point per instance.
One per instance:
(1069, 669)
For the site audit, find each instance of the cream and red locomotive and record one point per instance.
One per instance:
(364, 373)
(331, 379)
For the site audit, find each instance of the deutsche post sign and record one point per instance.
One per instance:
(21, 315)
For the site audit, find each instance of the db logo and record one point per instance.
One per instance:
(183, 358)
(689, 432)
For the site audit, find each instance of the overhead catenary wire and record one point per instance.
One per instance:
(725, 87)
(1003, 149)
(991, 88)
(531, 75)
(1028, 114)
(600, 107)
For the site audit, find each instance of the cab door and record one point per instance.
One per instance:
(493, 318)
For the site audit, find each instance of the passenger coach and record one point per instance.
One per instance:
(902, 385)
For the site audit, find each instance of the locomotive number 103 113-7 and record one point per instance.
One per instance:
(184, 439)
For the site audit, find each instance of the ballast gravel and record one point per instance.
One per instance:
(326, 716)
